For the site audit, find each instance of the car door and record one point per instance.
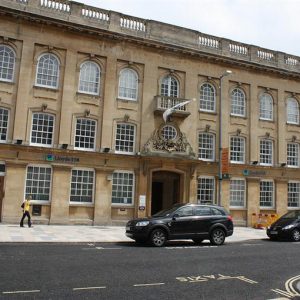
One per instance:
(202, 220)
(181, 223)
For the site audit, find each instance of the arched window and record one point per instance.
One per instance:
(7, 63)
(128, 84)
(238, 103)
(292, 111)
(89, 78)
(266, 107)
(47, 71)
(169, 87)
(207, 97)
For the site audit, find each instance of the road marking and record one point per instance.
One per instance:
(289, 285)
(283, 293)
(252, 244)
(190, 247)
(21, 292)
(102, 248)
(149, 284)
(89, 288)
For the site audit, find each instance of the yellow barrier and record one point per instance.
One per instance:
(261, 221)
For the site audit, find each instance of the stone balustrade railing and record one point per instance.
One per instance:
(165, 102)
(93, 17)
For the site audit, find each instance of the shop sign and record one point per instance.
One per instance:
(254, 173)
(62, 159)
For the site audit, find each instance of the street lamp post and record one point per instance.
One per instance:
(226, 73)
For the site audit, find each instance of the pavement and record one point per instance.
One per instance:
(13, 233)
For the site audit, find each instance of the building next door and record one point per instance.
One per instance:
(165, 190)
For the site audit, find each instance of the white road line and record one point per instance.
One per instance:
(89, 288)
(283, 293)
(21, 292)
(101, 248)
(289, 285)
(149, 284)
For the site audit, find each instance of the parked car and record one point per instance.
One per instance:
(183, 221)
(286, 227)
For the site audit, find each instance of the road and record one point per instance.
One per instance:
(258, 269)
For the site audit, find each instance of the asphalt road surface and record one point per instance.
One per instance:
(250, 270)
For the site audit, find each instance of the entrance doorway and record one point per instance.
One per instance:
(1, 194)
(165, 190)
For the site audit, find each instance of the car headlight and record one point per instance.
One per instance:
(288, 227)
(142, 223)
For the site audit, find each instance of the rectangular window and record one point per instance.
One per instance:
(123, 188)
(293, 155)
(3, 124)
(85, 134)
(267, 194)
(82, 186)
(237, 149)
(237, 193)
(266, 152)
(206, 149)
(125, 138)
(38, 182)
(42, 129)
(294, 194)
(206, 190)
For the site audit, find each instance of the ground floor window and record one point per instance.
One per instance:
(266, 194)
(82, 186)
(123, 187)
(206, 190)
(38, 182)
(237, 193)
(294, 194)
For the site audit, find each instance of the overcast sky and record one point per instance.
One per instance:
(271, 24)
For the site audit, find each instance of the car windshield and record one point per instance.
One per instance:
(292, 215)
(166, 212)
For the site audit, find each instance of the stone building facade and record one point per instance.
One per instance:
(82, 96)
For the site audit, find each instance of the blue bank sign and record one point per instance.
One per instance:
(63, 159)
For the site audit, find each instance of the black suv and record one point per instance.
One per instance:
(183, 221)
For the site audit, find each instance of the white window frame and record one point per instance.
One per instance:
(11, 64)
(86, 137)
(89, 77)
(39, 144)
(263, 156)
(2, 128)
(266, 107)
(211, 191)
(294, 192)
(38, 201)
(81, 183)
(118, 147)
(289, 157)
(122, 188)
(237, 193)
(48, 74)
(292, 111)
(211, 149)
(272, 194)
(169, 86)
(238, 103)
(129, 84)
(242, 145)
(211, 101)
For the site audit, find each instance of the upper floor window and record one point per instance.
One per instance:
(266, 152)
(128, 84)
(85, 134)
(3, 124)
(169, 87)
(125, 138)
(7, 63)
(237, 193)
(47, 71)
(206, 146)
(238, 103)
(292, 111)
(237, 149)
(89, 78)
(82, 185)
(42, 130)
(266, 107)
(207, 98)
(266, 194)
(294, 194)
(206, 190)
(292, 155)
(123, 187)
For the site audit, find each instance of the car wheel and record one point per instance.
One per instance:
(197, 241)
(158, 237)
(217, 236)
(296, 235)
